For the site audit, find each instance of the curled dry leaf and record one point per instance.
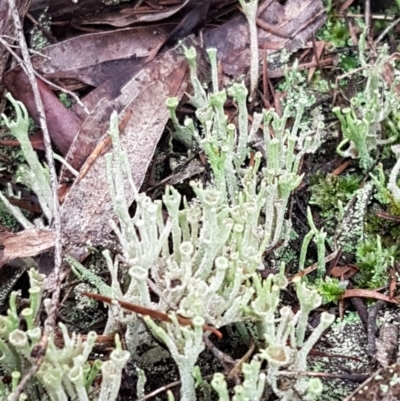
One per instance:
(360, 293)
(344, 272)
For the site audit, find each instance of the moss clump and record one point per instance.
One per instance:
(374, 260)
(331, 289)
(388, 230)
(327, 191)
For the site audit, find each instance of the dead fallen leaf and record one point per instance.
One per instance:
(88, 208)
(97, 57)
(126, 15)
(361, 293)
(344, 272)
(7, 30)
(63, 123)
(25, 244)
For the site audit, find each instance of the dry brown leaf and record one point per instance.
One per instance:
(361, 293)
(298, 19)
(97, 57)
(7, 30)
(128, 15)
(87, 208)
(25, 244)
(344, 272)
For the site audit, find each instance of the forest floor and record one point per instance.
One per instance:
(347, 53)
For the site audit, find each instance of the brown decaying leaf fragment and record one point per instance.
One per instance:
(94, 58)
(154, 314)
(63, 124)
(126, 15)
(358, 292)
(25, 244)
(344, 272)
(88, 207)
(7, 30)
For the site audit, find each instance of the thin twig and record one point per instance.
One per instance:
(386, 30)
(347, 74)
(317, 56)
(57, 87)
(373, 16)
(238, 365)
(161, 390)
(51, 319)
(31, 51)
(367, 13)
(227, 362)
(154, 314)
(352, 377)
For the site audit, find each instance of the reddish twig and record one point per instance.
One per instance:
(155, 314)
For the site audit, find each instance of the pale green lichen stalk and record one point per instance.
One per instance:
(185, 345)
(202, 261)
(36, 175)
(65, 372)
(250, 8)
(252, 387)
(362, 122)
(319, 238)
